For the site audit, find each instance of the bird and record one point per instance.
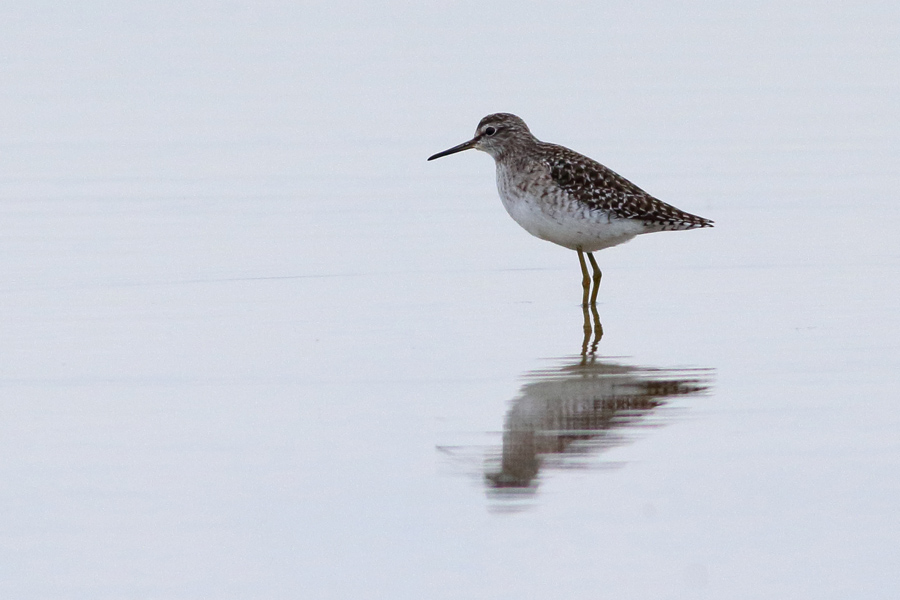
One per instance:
(564, 197)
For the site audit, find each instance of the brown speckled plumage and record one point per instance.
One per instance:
(600, 188)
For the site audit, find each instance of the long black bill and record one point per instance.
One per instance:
(455, 149)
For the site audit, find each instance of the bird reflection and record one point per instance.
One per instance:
(563, 415)
(593, 330)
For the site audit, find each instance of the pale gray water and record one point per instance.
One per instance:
(254, 346)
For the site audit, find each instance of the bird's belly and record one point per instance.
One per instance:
(567, 223)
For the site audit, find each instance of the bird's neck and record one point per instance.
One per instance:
(517, 153)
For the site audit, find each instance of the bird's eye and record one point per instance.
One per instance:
(490, 130)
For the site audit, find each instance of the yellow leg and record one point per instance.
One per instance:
(597, 276)
(585, 277)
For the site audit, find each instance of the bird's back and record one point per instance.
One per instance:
(598, 188)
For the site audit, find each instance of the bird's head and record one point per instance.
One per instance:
(496, 134)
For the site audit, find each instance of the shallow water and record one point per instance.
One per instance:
(256, 347)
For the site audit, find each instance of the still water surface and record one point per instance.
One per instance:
(254, 346)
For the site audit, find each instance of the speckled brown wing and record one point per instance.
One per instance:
(599, 188)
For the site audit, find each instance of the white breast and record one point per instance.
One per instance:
(544, 210)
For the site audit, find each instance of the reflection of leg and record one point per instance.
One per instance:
(597, 276)
(585, 277)
(587, 332)
(598, 328)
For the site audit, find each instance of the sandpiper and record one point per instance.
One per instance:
(567, 198)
